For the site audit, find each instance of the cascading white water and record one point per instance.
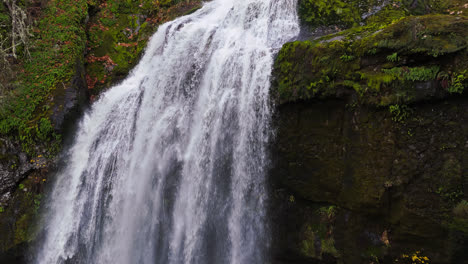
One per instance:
(169, 166)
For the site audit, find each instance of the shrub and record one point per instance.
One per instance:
(393, 57)
(399, 112)
(323, 12)
(458, 83)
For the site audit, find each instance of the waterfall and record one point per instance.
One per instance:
(169, 166)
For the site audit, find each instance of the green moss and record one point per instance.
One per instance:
(381, 63)
(308, 243)
(399, 112)
(328, 246)
(22, 213)
(58, 45)
(4, 20)
(347, 13)
(414, 73)
(21, 229)
(118, 34)
(421, 7)
(459, 82)
(344, 12)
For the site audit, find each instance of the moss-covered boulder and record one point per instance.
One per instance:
(349, 13)
(414, 59)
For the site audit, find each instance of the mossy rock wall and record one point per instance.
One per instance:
(402, 179)
(414, 59)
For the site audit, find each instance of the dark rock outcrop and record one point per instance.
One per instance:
(70, 99)
(14, 166)
(356, 183)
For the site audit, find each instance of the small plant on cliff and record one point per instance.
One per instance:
(458, 83)
(347, 58)
(399, 112)
(393, 57)
(37, 202)
(452, 195)
(326, 12)
(414, 74)
(328, 213)
(422, 73)
(328, 246)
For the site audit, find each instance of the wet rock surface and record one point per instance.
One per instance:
(14, 166)
(353, 183)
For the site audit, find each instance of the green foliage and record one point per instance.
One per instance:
(347, 58)
(421, 7)
(21, 186)
(4, 22)
(399, 112)
(450, 194)
(44, 129)
(459, 81)
(120, 28)
(393, 57)
(118, 33)
(37, 202)
(328, 12)
(328, 246)
(328, 213)
(356, 86)
(308, 243)
(390, 14)
(364, 59)
(2, 209)
(59, 42)
(414, 73)
(21, 229)
(421, 73)
(372, 51)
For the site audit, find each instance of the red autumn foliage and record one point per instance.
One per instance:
(91, 82)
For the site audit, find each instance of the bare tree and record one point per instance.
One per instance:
(15, 33)
(19, 31)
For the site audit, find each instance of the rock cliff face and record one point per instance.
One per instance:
(371, 154)
(360, 186)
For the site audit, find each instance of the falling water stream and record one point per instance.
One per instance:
(169, 166)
